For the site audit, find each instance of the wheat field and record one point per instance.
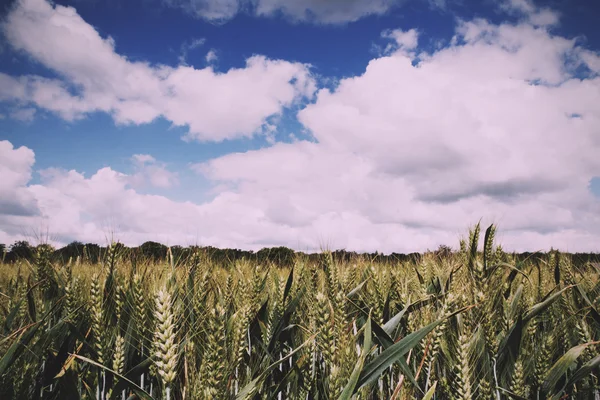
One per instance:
(473, 324)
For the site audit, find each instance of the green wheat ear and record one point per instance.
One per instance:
(165, 347)
(517, 385)
(139, 304)
(119, 355)
(97, 315)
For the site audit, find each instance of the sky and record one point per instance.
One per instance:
(365, 125)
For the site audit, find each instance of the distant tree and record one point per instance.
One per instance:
(178, 252)
(153, 250)
(20, 249)
(91, 252)
(71, 251)
(280, 256)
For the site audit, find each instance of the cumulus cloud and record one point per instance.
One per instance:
(23, 114)
(143, 158)
(404, 41)
(536, 15)
(75, 207)
(15, 169)
(149, 171)
(97, 78)
(496, 126)
(211, 56)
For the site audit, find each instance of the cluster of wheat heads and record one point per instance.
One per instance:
(474, 324)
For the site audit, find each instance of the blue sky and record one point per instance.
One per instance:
(272, 122)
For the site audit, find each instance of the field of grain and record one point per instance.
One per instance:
(473, 324)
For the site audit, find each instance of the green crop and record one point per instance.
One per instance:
(473, 324)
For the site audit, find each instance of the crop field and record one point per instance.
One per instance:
(473, 324)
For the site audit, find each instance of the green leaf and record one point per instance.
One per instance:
(593, 312)
(430, 392)
(509, 347)
(357, 289)
(351, 385)
(288, 284)
(390, 326)
(541, 307)
(15, 350)
(394, 353)
(514, 304)
(386, 341)
(514, 271)
(561, 366)
(585, 370)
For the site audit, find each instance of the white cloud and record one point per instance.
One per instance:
(319, 11)
(150, 171)
(23, 114)
(402, 41)
(591, 60)
(208, 9)
(536, 15)
(524, 6)
(409, 155)
(405, 39)
(143, 158)
(96, 78)
(50, 94)
(211, 56)
(15, 169)
(75, 207)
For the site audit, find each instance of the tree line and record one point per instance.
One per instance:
(156, 252)
(280, 256)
